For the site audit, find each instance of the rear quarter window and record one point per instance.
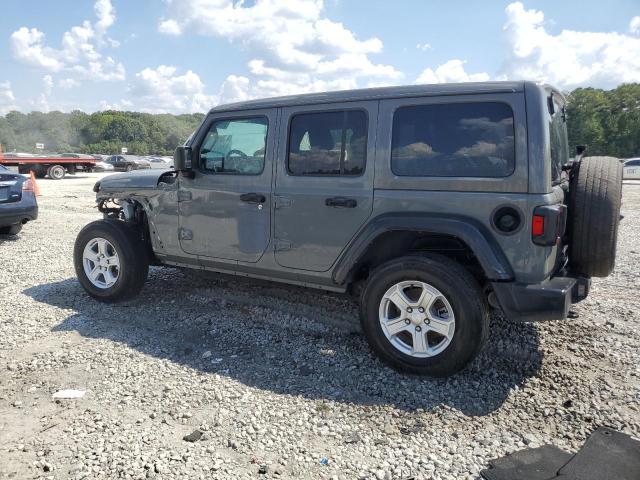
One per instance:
(453, 140)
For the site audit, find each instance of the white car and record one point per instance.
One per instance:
(160, 162)
(103, 167)
(631, 169)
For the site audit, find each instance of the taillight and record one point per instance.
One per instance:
(548, 224)
(27, 185)
(537, 226)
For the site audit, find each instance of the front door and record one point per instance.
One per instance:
(225, 207)
(324, 182)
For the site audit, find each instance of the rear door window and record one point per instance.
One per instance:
(328, 143)
(454, 140)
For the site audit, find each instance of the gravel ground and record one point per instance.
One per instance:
(277, 379)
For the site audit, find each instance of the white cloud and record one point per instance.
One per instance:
(68, 83)
(26, 45)
(569, 59)
(47, 80)
(7, 98)
(106, 16)
(121, 105)
(423, 46)
(452, 71)
(634, 25)
(294, 47)
(79, 52)
(163, 90)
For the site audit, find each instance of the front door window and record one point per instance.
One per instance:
(235, 146)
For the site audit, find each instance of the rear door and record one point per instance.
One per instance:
(324, 181)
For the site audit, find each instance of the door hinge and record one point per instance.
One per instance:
(282, 245)
(184, 195)
(185, 234)
(282, 202)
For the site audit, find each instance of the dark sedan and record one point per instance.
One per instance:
(127, 163)
(18, 202)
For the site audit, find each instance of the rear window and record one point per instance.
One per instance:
(453, 140)
(559, 141)
(328, 143)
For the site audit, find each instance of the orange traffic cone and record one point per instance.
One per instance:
(36, 189)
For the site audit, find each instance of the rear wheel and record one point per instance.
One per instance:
(424, 314)
(11, 229)
(594, 212)
(110, 260)
(129, 168)
(56, 172)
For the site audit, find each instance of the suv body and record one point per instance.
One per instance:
(323, 190)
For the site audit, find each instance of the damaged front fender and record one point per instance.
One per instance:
(134, 181)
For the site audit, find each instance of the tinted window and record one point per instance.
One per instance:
(328, 143)
(559, 141)
(632, 163)
(453, 140)
(235, 146)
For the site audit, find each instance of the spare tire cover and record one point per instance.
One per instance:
(595, 194)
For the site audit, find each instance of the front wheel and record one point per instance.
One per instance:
(129, 168)
(424, 315)
(110, 260)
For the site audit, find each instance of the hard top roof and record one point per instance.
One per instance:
(376, 94)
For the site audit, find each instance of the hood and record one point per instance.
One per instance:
(136, 179)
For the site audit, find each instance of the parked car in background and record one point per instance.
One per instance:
(101, 166)
(122, 163)
(18, 203)
(631, 169)
(160, 162)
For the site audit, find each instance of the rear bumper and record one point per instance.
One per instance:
(19, 212)
(549, 300)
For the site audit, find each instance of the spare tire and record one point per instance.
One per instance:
(595, 194)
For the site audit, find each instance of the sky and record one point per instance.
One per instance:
(182, 56)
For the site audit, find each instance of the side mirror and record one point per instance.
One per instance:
(581, 149)
(182, 159)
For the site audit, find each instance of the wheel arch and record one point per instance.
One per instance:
(394, 234)
(135, 211)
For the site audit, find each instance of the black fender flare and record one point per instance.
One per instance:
(477, 237)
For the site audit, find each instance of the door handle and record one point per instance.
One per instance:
(253, 198)
(341, 202)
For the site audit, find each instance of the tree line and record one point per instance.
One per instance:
(100, 132)
(607, 121)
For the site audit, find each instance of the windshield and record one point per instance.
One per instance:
(558, 139)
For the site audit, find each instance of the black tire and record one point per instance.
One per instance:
(134, 263)
(461, 291)
(11, 229)
(56, 172)
(129, 168)
(594, 213)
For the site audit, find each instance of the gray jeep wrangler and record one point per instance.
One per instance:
(430, 203)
